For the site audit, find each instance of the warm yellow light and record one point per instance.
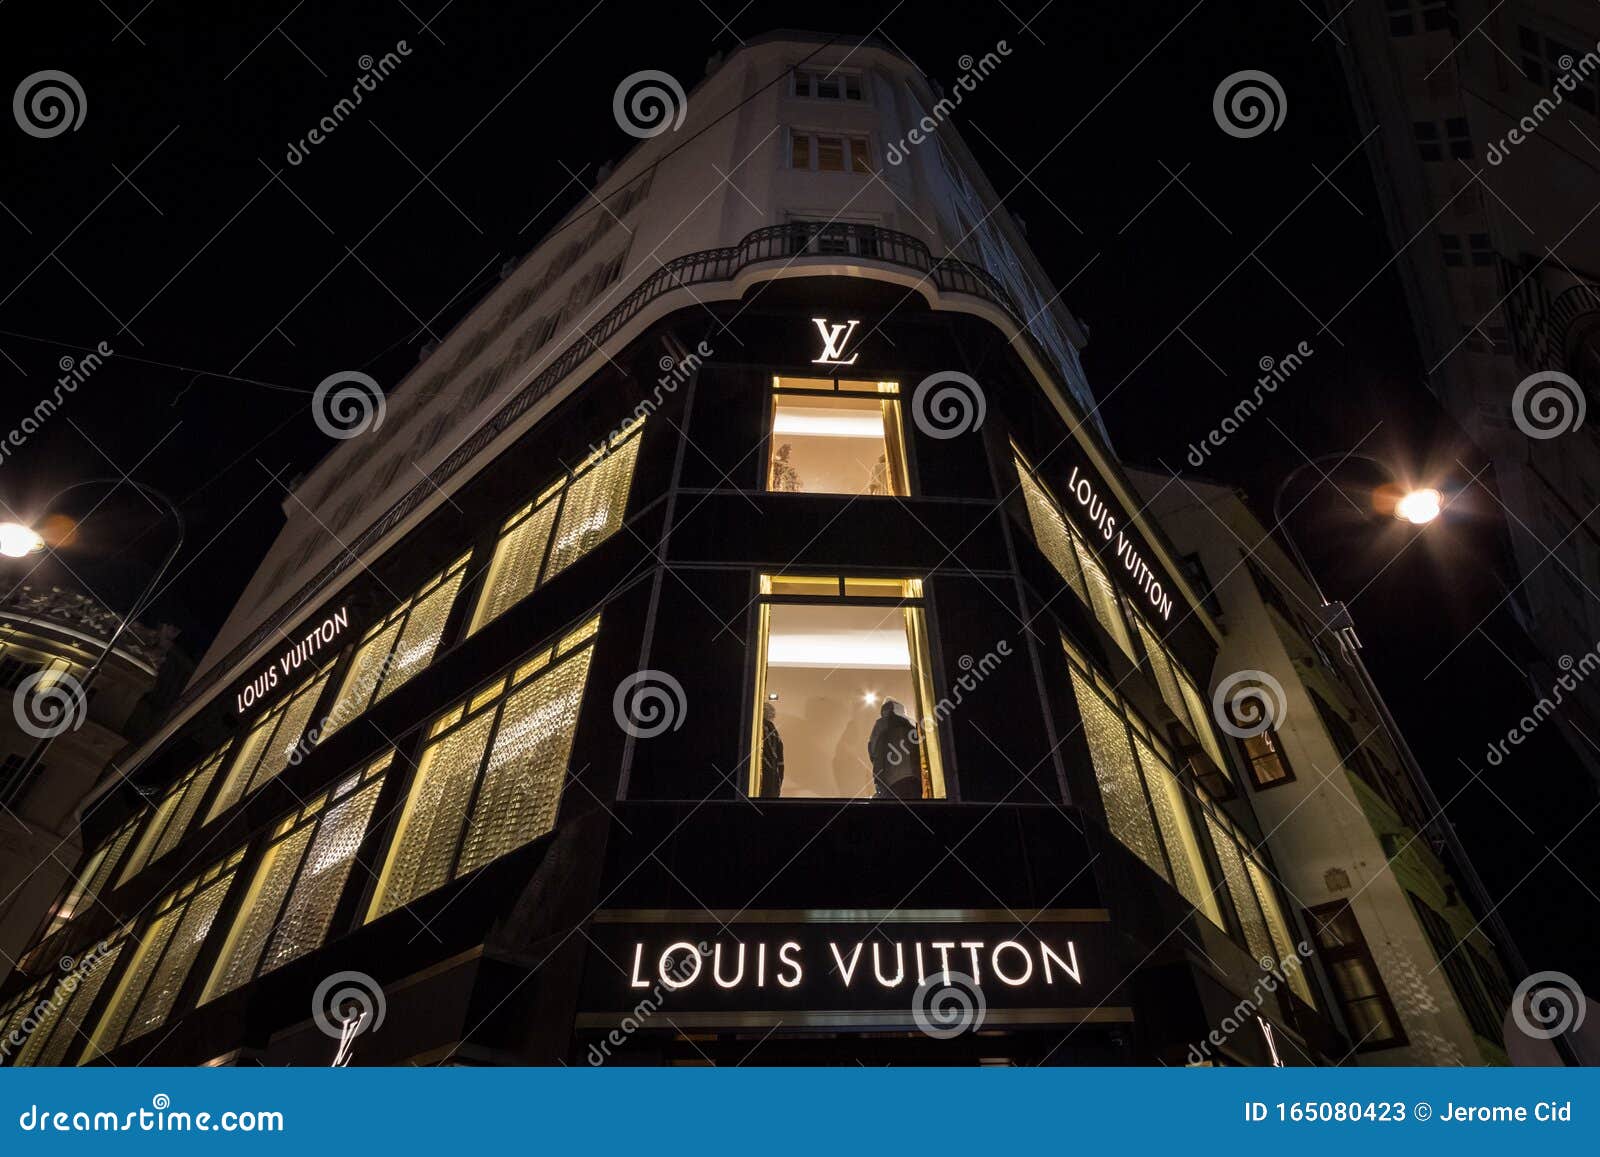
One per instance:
(870, 698)
(17, 541)
(1419, 506)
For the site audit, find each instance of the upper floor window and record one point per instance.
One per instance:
(291, 901)
(1178, 690)
(92, 878)
(273, 739)
(160, 964)
(491, 776)
(59, 1015)
(1266, 927)
(397, 647)
(1269, 766)
(1146, 806)
(832, 436)
(844, 701)
(829, 152)
(560, 526)
(1368, 1011)
(172, 816)
(826, 85)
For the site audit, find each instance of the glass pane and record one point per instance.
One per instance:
(830, 154)
(69, 1032)
(860, 155)
(1103, 598)
(189, 804)
(430, 828)
(832, 445)
(515, 570)
(528, 766)
(594, 507)
(296, 717)
(800, 153)
(825, 586)
(364, 675)
(237, 963)
(245, 757)
(423, 631)
(1202, 721)
(1183, 850)
(1051, 533)
(783, 383)
(152, 833)
(1161, 665)
(1278, 927)
(1242, 894)
(144, 962)
(1127, 813)
(184, 946)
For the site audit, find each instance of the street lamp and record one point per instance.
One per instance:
(18, 541)
(1419, 507)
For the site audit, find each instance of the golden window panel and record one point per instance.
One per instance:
(491, 774)
(95, 874)
(59, 1023)
(843, 663)
(1179, 692)
(172, 816)
(833, 436)
(1145, 803)
(563, 523)
(150, 982)
(302, 874)
(263, 754)
(1265, 925)
(397, 647)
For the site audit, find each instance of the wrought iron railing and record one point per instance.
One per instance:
(794, 243)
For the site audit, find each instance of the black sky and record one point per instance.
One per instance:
(171, 226)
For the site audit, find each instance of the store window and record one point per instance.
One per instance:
(149, 987)
(844, 701)
(1071, 556)
(835, 436)
(491, 776)
(1368, 1011)
(291, 901)
(1262, 919)
(58, 1018)
(397, 647)
(92, 878)
(1146, 805)
(829, 153)
(172, 816)
(566, 521)
(265, 751)
(1178, 690)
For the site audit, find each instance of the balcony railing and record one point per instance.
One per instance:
(793, 243)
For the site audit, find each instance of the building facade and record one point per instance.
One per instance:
(1412, 963)
(1482, 121)
(49, 638)
(775, 665)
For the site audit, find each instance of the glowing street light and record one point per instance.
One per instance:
(18, 541)
(1419, 507)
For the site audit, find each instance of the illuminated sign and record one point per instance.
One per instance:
(878, 968)
(1100, 516)
(303, 649)
(835, 337)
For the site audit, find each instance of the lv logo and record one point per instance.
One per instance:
(834, 338)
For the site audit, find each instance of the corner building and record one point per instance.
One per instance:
(567, 746)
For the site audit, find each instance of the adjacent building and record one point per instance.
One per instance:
(771, 663)
(1483, 121)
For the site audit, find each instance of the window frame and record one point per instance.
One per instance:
(176, 812)
(897, 446)
(315, 685)
(817, 74)
(1360, 952)
(850, 142)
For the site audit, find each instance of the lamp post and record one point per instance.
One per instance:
(18, 540)
(1418, 507)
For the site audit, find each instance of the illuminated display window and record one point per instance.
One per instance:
(149, 986)
(95, 874)
(396, 648)
(1145, 803)
(1262, 919)
(1368, 1011)
(491, 775)
(565, 522)
(58, 1020)
(1179, 692)
(844, 701)
(172, 817)
(1069, 553)
(291, 901)
(832, 436)
(263, 753)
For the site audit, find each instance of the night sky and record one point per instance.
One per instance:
(229, 283)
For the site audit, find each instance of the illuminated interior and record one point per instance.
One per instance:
(836, 437)
(829, 661)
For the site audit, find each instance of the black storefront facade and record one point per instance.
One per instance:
(672, 912)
